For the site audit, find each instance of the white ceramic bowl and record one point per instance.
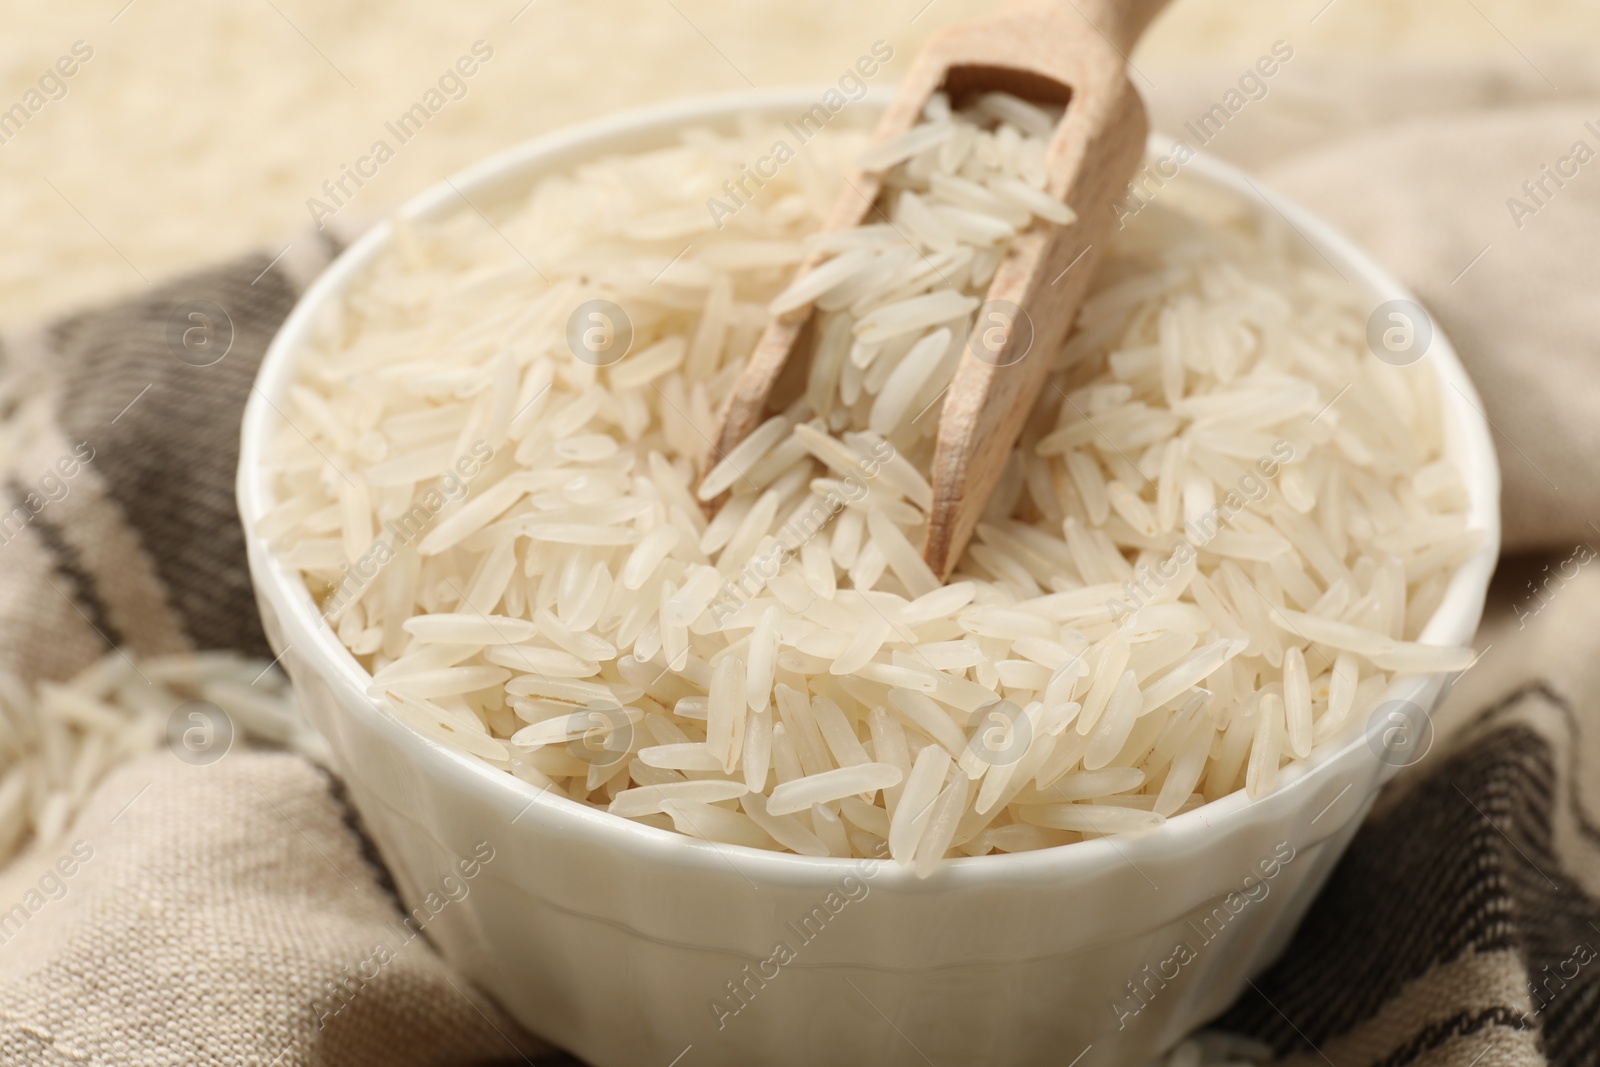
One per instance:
(616, 940)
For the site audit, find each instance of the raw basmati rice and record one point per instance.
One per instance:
(1216, 541)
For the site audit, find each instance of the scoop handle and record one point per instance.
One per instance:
(1122, 22)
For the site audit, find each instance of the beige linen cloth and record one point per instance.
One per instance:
(211, 915)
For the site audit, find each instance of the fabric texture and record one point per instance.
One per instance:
(222, 915)
(218, 909)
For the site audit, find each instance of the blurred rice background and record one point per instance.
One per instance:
(198, 130)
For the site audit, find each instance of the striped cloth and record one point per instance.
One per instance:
(1461, 928)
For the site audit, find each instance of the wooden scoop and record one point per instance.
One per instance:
(1071, 52)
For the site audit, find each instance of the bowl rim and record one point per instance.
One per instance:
(1454, 621)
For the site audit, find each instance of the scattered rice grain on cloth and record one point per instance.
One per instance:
(1155, 612)
(58, 740)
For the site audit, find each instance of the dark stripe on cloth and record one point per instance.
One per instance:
(80, 585)
(1463, 863)
(169, 459)
(1464, 1024)
(1543, 691)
